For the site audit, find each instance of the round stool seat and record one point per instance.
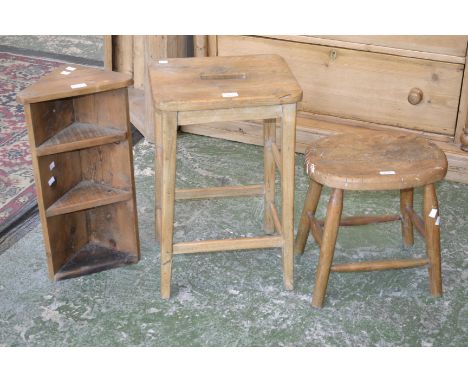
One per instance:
(375, 161)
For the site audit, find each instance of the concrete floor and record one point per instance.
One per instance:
(238, 299)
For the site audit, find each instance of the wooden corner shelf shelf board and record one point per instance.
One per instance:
(92, 258)
(83, 167)
(79, 136)
(87, 194)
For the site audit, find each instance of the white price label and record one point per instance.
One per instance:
(78, 86)
(70, 68)
(51, 181)
(388, 172)
(65, 73)
(230, 95)
(163, 61)
(433, 213)
(52, 165)
(437, 220)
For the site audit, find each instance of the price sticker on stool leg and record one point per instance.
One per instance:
(230, 95)
(437, 222)
(433, 213)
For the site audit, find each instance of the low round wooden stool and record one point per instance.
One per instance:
(372, 161)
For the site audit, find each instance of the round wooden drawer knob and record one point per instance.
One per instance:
(415, 96)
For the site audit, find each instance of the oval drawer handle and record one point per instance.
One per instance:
(415, 96)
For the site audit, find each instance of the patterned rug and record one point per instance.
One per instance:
(17, 192)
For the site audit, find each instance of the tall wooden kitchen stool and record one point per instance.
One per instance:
(212, 89)
(372, 161)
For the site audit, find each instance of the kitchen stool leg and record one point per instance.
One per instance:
(327, 249)
(169, 138)
(310, 205)
(288, 146)
(158, 175)
(269, 137)
(406, 201)
(432, 229)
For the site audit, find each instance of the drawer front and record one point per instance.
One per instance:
(365, 86)
(449, 45)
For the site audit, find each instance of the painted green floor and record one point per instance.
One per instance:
(237, 298)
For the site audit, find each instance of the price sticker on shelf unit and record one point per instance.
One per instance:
(163, 62)
(437, 220)
(51, 181)
(230, 95)
(387, 172)
(433, 213)
(78, 86)
(52, 165)
(70, 68)
(65, 73)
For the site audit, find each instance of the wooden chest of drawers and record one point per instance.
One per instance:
(414, 83)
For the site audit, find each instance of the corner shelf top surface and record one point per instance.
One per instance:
(87, 194)
(79, 136)
(57, 85)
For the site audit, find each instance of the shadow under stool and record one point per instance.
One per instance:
(371, 162)
(189, 91)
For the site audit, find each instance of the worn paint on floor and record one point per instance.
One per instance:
(237, 298)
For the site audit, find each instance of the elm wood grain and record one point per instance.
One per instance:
(79, 136)
(375, 161)
(273, 241)
(200, 45)
(139, 61)
(436, 48)
(66, 235)
(275, 218)
(406, 203)
(327, 247)
(327, 164)
(50, 117)
(107, 48)
(233, 114)
(210, 77)
(364, 86)
(350, 221)
(432, 229)
(269, 174)
(168, 143)
(310, 206)
(461, 132)
(92, 258)
(85, 195)
(219, 192)
(277, 157)
(315, 228)
(268, 82)
(379, 265)
(86, 178)
(288, 150)
(418, 223)
(57, 86)
(122, 54)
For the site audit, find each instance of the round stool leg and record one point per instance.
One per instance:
(432, 229)
(406, 201)
(327, 249)
(310, 205)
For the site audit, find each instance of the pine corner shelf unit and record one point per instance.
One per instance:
(79, 133)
